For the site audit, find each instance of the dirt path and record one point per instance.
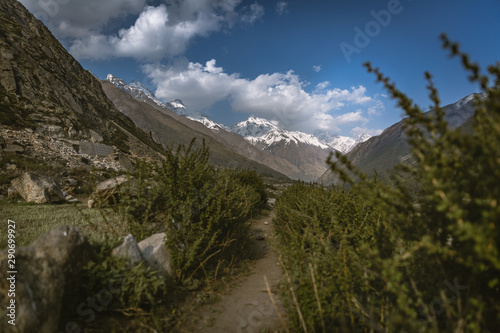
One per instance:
(247, 307)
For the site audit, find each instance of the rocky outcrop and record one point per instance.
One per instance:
(152, 250)
(129, 250)
(45, 271)
(43, 88)
(155, 252)
(106, 191)
(38, 189)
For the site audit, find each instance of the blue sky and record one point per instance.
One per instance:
(298, 63)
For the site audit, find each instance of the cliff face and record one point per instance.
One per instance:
(44, 88)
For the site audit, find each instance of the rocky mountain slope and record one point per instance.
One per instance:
(383, 152)
(167, 128)
(305, 151)
(55, 119)
(44, 88)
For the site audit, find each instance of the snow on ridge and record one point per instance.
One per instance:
(216, 127)
(344, 144)
(259, 130)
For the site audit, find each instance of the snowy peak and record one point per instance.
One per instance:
(177, 103)
(116, 81)
(254, 127)
(212, 125)
(136, 89)
(262, 131)
(141, 88)
(344, 144)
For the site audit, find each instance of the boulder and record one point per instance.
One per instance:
(106, 191)
(129, 250)
(38, 292)
(155, 252)
(37, 189)
(45, 271)
(67, 246)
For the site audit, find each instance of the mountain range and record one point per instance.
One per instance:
(306, 152)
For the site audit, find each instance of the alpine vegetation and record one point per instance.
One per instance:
(418, 254)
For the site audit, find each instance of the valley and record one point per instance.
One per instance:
(213, 166)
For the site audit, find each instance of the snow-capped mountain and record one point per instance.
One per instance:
(214, 126)
(136, 89)
(141, 92)
(178, 107)
(343, 144)
(305, 151)
(262, 132)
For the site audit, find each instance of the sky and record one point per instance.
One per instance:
(297, 63)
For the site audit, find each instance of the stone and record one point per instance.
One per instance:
(39, 291)
(155, 252)
(125, 162)
(37, 189)
(11, 192)
(67, 245)
(45, 271)
(13, 148)
(106, 191)
(95, 137)
(129, 250)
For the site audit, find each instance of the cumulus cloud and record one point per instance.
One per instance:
(281, 97)
(317, 69)
(281, 7)
(150, 38)
(89, 27)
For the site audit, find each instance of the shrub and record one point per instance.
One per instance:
(420, 255)
(204, 210)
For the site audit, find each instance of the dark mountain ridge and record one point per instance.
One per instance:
(383, 152)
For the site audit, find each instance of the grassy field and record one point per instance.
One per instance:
(33, 220)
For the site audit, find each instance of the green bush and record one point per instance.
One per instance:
(419, 255)
(204, 210)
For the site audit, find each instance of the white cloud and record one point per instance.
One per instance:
(281, 7)
(376, 109)
(356, 131)
(317, 69)
(196, 85)
(351, 117)
(255, 12)
(150, 38)
(277, 96)
(76, 18)
(322, 85)
(163, 31)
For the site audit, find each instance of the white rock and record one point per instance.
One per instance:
(156, 254)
